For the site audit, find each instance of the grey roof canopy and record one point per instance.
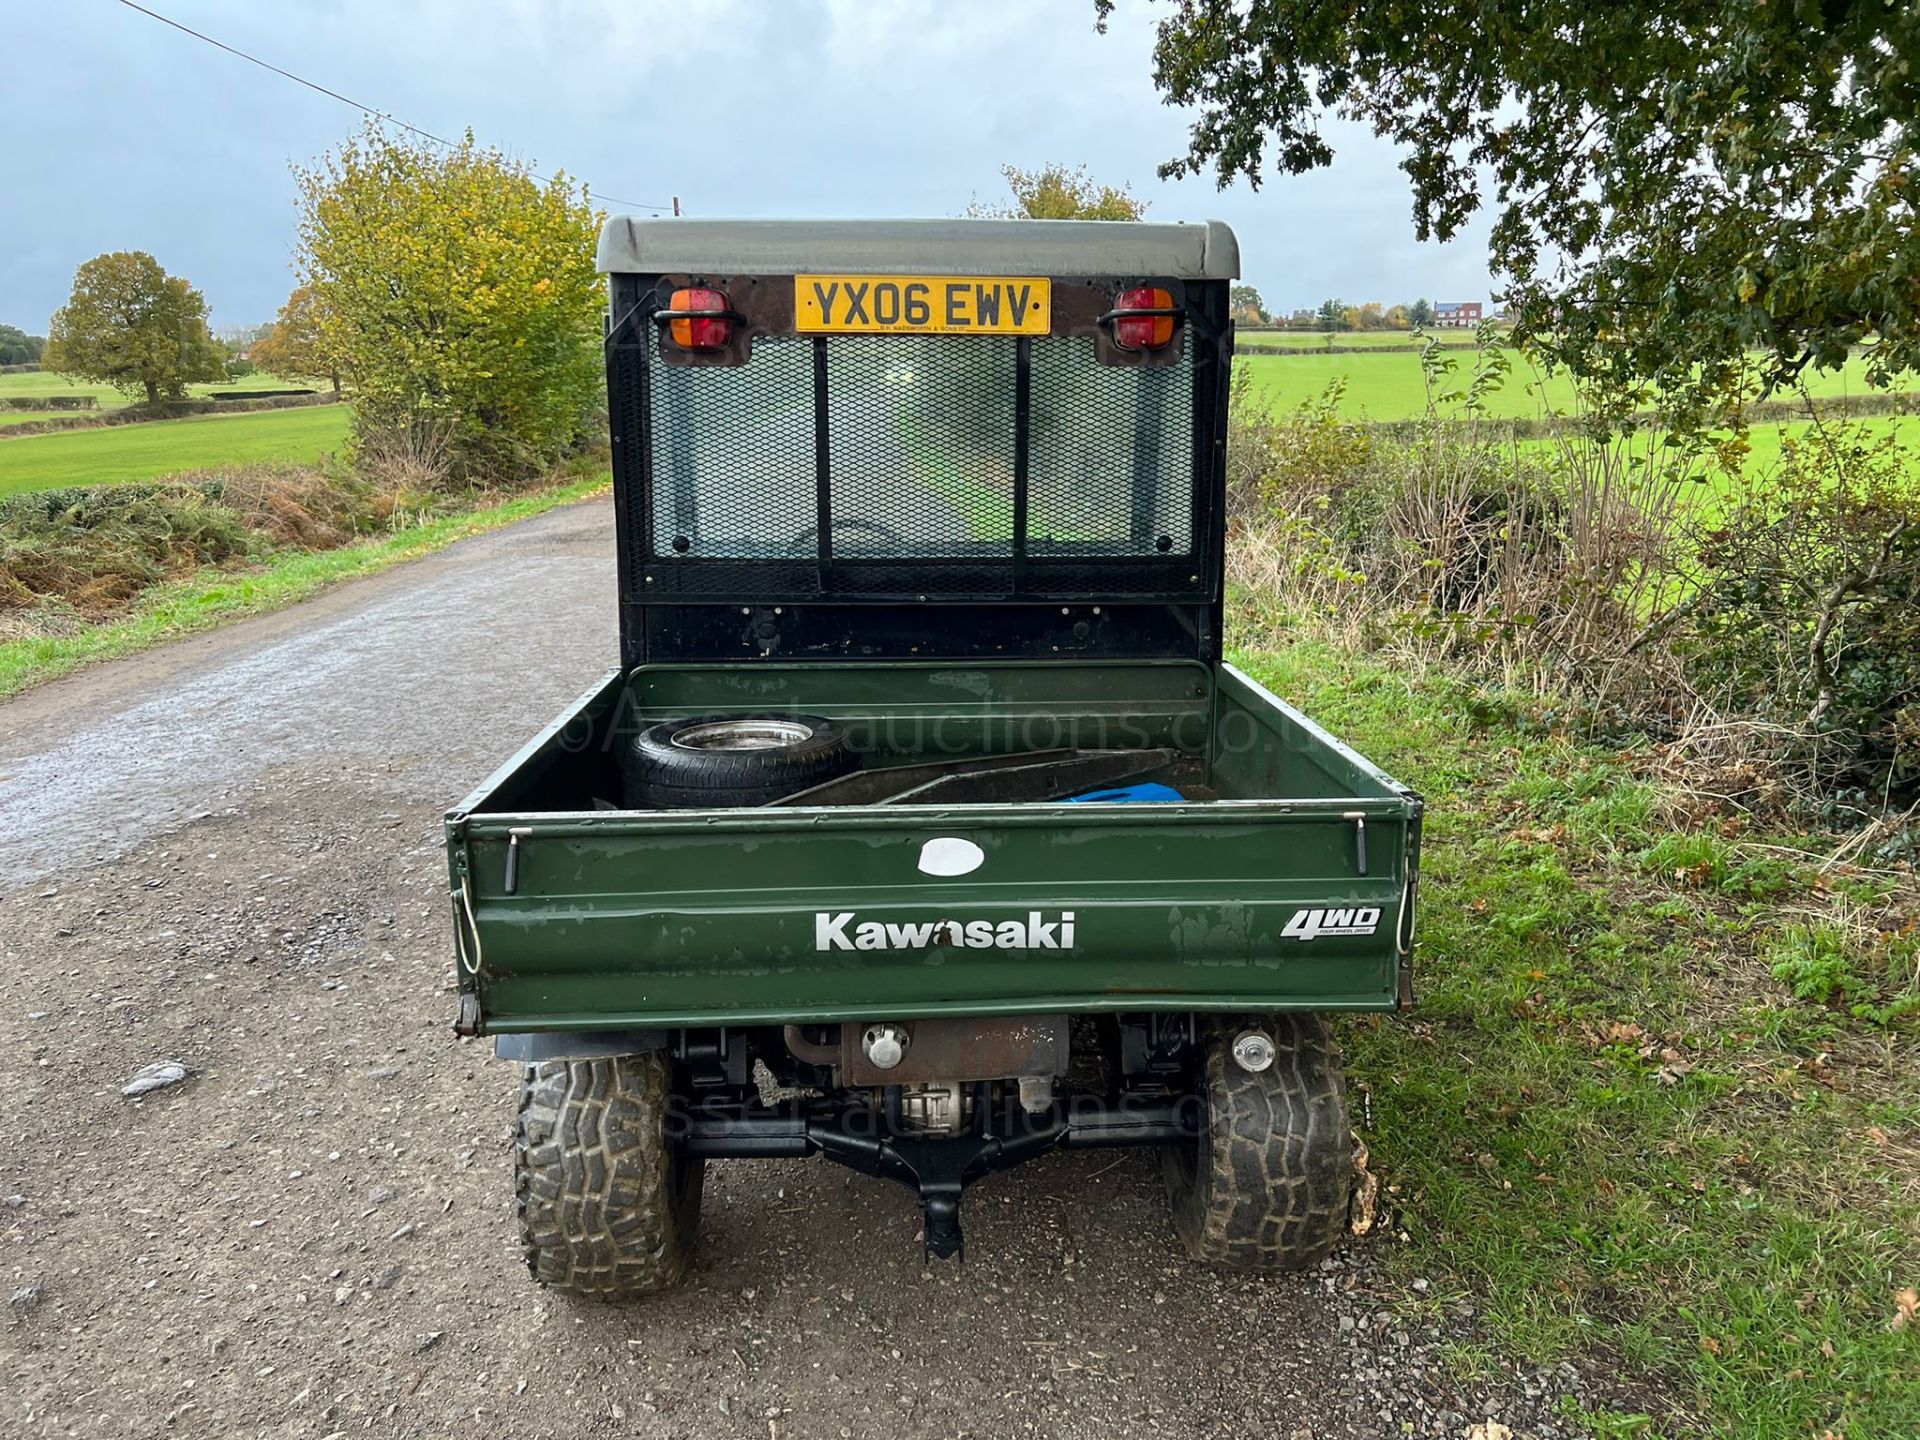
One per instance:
(919, 247)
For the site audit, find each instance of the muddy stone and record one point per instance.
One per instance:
(156, 1076)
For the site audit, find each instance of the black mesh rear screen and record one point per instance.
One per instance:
(922, 471)
(733, 474)
(921, 463)
(1111, 455)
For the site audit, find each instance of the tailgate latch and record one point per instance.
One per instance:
(1359, 819)
(513, 856)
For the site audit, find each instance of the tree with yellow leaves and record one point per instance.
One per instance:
(457, 290)
(292, 348)
(1054, 192)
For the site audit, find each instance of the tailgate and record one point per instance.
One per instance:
(758, 917)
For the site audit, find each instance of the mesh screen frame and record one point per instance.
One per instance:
(1025, 548)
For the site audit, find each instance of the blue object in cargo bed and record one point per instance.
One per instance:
(1147, 794)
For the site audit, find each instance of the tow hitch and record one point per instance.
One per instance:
(938, 1168)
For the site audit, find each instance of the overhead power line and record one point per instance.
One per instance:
(385, 115)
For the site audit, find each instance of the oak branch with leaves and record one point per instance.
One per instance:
(1675, 188)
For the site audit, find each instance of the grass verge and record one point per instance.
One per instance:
(1658, 1105)
(216, 596)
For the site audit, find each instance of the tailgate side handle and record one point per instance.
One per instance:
(1358, 817)
(517, 832)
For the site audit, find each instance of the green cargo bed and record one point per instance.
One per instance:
(1289, 886)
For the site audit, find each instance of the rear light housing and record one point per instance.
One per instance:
(700, 319)
(1137, 331)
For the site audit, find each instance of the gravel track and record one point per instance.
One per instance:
(226, 852)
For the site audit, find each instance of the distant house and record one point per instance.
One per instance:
(1456, 315)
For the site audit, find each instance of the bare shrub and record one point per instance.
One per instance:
(1805, 613)
(296, 505)
(1767, 635)
(1283, 475)
(1544, 562)
(407, 459)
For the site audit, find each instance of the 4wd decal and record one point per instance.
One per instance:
(846, 931)
(1312, 924)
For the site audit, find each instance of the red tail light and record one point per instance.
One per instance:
(1142, 332)
(700, 320)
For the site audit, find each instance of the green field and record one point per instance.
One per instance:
(113, 454)
(1368, 339)
(1390, 386)
(45, 382)
(1765, 439)
(105, 397)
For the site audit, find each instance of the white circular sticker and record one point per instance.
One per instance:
(950, 855)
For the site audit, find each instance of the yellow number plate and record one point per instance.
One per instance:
(921, 305)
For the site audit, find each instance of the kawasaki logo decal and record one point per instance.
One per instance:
(1312, 924)
(846, 932)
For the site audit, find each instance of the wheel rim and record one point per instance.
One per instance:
(742, 735)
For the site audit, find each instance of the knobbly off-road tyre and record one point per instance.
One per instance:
(1266, 1184)
(731, 761)
(608, 1207)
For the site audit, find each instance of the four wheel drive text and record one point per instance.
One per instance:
(1312, 924)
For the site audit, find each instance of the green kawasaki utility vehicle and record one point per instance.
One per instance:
(921, 825)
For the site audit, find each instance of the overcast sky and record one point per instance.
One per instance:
(126, 135)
